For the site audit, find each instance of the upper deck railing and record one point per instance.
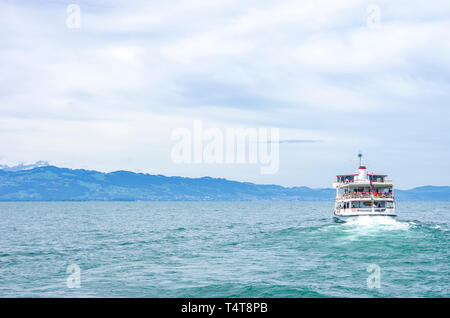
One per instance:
(363, 181)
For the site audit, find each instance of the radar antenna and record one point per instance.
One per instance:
(360, 157)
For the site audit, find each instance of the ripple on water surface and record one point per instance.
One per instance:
(214, 249)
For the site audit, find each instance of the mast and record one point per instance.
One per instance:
(360, 157)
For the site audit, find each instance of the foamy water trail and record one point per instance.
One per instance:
(376, 223)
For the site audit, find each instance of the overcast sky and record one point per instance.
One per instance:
(335, 77)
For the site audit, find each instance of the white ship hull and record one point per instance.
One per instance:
(345, 215)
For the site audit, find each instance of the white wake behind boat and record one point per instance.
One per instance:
(363, 194)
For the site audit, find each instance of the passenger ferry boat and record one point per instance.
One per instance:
(363, 194)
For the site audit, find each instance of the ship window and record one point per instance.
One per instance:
(389, 204)
(380, 204)
(355, 204)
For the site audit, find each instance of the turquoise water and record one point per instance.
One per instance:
(214, 249)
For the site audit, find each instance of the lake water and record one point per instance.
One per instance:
(220, 249)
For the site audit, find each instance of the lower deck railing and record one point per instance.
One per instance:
(366, 195)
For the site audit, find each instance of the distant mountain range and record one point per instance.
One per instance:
(49, 183)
